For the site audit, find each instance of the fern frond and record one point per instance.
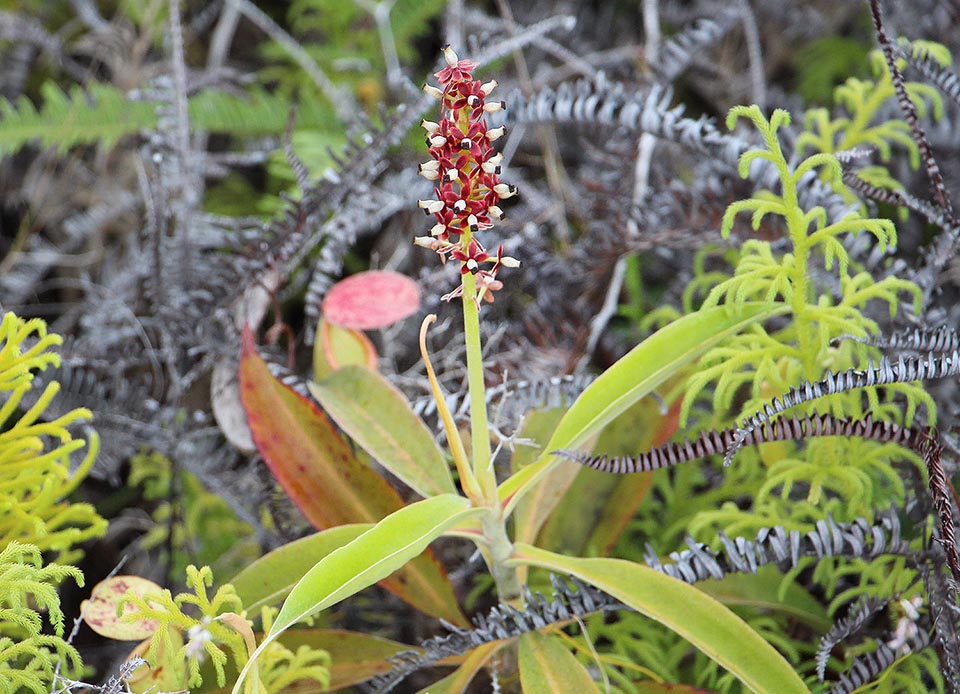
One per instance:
(909, 109)
(870, 667)
(103, 114)
(886, 372)
(858, 616)
(569, 601)
(713, 442)
(679, 52)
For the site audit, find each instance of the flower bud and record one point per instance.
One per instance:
(495, 134)
(495, 212)
(488, 87)
(437, 141)
(427, 242)
(437, 229)
(430, 170)
(507, 261)
(431, 206)
(429, 126)
(504, 191)
(494, 106)
(450, 56)
(433, 91)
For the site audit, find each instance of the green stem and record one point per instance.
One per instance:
(479, 427)
(494, 523)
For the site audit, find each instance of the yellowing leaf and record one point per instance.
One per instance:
(546, 667)
(100, 611)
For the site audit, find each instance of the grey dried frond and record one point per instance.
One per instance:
(867, 668)
(570, 600)
(885, 372)
(858, 616)
(938, 340)
(859, 539)
(945, 616)
(616, 105)
(648, 111)
(681, 50)
(125, 410)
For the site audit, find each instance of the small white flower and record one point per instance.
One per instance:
(197, 636)
(488, 87)
(450, 56)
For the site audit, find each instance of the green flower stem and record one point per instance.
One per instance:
(499, 545)
(479, 427)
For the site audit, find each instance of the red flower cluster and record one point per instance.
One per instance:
(467, 170)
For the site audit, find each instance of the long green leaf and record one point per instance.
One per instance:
(547, 666)
(635, 375)
(270, 578)
(378, 417)
(371, 557)
(704, 622)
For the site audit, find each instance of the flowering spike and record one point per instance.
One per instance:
(468, 169)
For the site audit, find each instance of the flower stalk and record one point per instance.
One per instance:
(468, 192)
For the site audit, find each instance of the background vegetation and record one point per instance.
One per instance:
(173, 171)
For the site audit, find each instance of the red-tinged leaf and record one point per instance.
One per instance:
(100, 611)
(312, 462)
(370, 300)
(326, 481)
